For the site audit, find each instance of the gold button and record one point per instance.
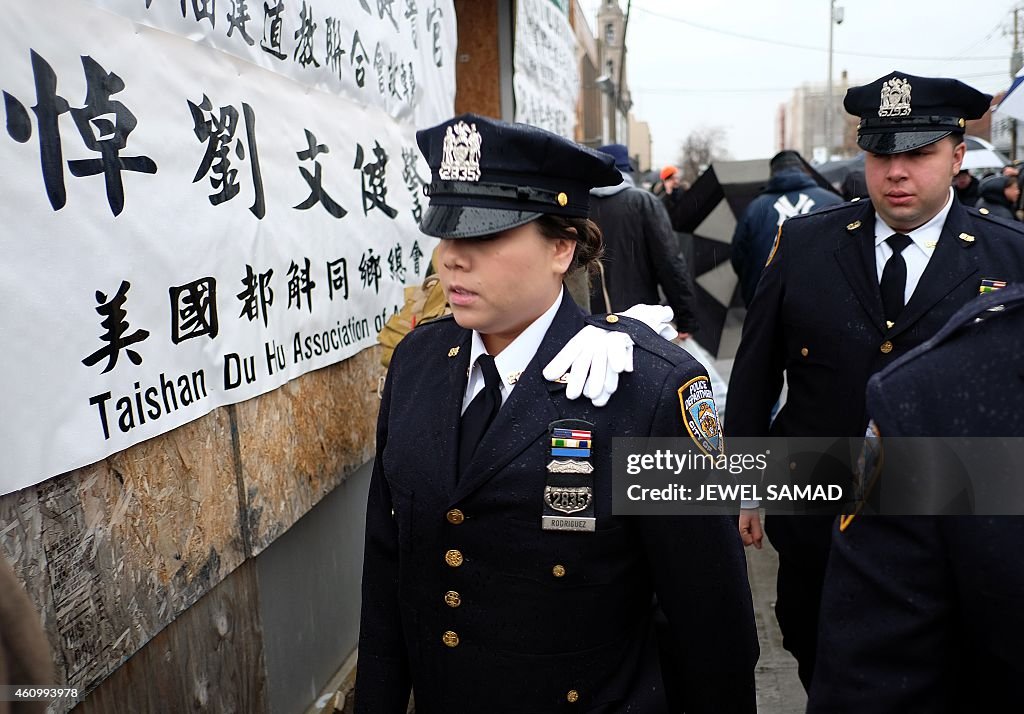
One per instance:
(558, 571)
(453, 558)
(792, 466)
(886, 347)
(572, 696)
(452, 599)
(983, 211)
(562, 199)
(612, 319)
(803, 352)
(450, 639)
(455, 516)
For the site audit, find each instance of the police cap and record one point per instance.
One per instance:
(901, 112)
(488, 176)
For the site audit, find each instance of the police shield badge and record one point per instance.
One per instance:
(700, 415)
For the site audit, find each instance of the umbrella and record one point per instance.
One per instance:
(982, 155)
(709, 212)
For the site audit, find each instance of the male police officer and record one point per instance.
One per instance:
(849, 289)
(923, 613)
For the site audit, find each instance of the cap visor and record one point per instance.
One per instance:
(471, 221)
(898, 142)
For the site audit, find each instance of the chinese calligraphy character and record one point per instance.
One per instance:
(105, 135)
(434, 16)
(416, 255)
(334, 48)
(410, 14)
(358, 59)
(384, 8)
(194, 310)
(369, 270)
(375, 190)
(256, 295)
(317, 194)
(218, 131)
(378, 67)
(337, 278)
(272, 24)
(237, 19)
(396, 269)
(299, 284)
(304, 36)
(414, 183)
(116, 325)
(204, 10)
(103, 124)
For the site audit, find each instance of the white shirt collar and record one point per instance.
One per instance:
(512, 360)
(926, 237)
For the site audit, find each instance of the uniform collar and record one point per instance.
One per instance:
(927, 236)
(512, 360)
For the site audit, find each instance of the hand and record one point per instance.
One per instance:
(683, 336)
(750, 527)
(656, 317)
(593, 359)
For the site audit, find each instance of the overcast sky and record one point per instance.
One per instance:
(731, 63)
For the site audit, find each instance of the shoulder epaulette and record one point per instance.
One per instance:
(643, 336)
(1015, 226)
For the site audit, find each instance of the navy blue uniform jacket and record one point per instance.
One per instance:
(923, 614)
(533, 637)
(817, 315)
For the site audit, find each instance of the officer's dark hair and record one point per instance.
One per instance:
(589, 241)
(957, 137)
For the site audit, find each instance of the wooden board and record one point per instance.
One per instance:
(113, 552)
(477, 68)
(208, 660)
(299, 442)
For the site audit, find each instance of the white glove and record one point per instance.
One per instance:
(593, 359)
(656, 317)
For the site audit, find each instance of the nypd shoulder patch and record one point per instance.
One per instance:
(700, 415)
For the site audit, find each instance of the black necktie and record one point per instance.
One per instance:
(480, 412)
(894, 277)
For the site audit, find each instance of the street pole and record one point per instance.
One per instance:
(828, 90)
(1015, 65)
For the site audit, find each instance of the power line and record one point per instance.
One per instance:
(751, 90)
(796, 45)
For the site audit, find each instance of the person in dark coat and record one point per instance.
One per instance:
(851, 288)
(922, 613)
(966, 187)
(641, 252)
(496, 577)
(789, 192)
(998, 196)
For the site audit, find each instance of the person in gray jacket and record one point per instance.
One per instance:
(998, 195)
(641, 252)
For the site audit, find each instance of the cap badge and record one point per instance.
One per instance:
(461, 156)
(895, 98)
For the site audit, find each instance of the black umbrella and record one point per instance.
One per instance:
(709, 212)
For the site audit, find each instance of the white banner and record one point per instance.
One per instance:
(545, 75)
(188, 227)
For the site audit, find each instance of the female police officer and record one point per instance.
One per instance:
(496, 578)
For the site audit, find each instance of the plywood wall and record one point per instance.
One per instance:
(114, 552)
